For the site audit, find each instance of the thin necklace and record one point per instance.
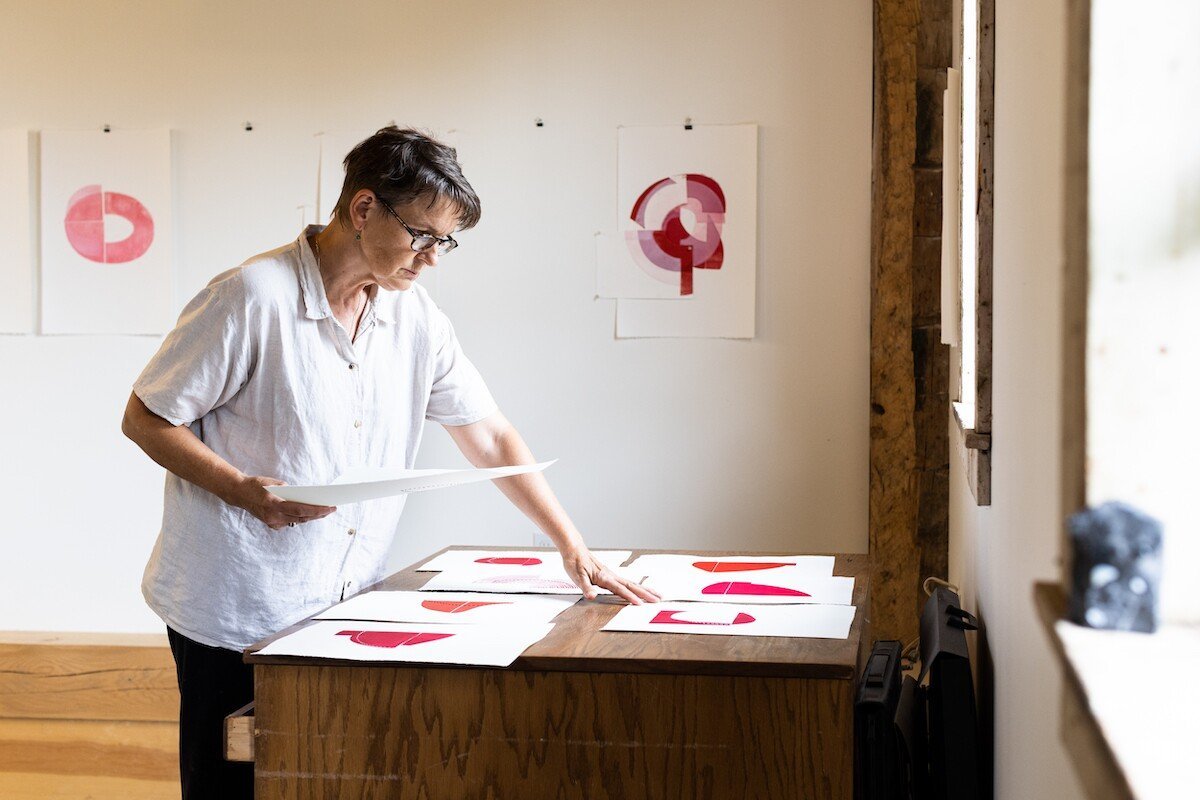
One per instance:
(361, 309)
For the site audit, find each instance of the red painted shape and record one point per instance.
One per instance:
(510, 561)
(84, 224)
(740, 566)
(458, 606)
(742, 587)
(392, 638)
(668, 618)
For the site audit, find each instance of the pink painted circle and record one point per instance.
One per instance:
(84, 225)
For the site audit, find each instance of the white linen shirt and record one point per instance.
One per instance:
(264, 374)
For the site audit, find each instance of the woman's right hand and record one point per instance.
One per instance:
(275, 512)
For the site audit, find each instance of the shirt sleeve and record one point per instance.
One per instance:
(204, 361)
(459, 396)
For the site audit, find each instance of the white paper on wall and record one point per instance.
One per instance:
(687, 215)
(951, 208)
(452, 559)
(481, 645)
(728, 619)
(449, 608)
(106, 232)
(753, 589)
(16, 267)
(661, 564)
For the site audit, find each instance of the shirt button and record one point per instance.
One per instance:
(351, 531)
(358, 423)
(353, 366)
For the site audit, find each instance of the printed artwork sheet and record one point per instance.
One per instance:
(728, 619)
(686, 231)
(479, 645)
(449, 608)
(452, 559)
(665, 564)
(770, 588)
(16, 268)
(106, 232)
(358, 485)
(511, 579)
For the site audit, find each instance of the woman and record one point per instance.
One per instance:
(308, 360)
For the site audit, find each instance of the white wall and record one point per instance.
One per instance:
(997, 553)
(759, 444)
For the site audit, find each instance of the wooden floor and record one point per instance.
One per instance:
(87, 716)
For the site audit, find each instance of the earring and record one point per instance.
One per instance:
(358, 236)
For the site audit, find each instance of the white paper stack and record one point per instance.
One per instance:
(807, 621)
(480, 645)
(449, 608)
(794, 596)
(452, 559)
(776, 589)
(427, 627)
(509, 572)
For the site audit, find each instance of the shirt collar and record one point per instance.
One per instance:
(316, 303)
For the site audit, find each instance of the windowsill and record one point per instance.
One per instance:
(964, 415)
(975, 448)
(1132, 733)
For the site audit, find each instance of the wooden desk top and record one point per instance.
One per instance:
(578, 645)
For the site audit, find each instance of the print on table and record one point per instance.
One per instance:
(539, 583)
(679, 221)
(672, 618)
(747, 588)
(458, 607)
(512, 562)
(87, 226)
(392, 638)
(740, 566)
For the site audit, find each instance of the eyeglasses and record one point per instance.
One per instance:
(422, 242)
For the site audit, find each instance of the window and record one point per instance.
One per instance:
(967, 237)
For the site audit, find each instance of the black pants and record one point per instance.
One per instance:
(213, 683)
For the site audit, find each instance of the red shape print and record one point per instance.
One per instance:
(742, 587)
(84, 224)
(392, 638)
(739, 566)
(668, 618)
(458, 606)
(510, 561)
(671, 241)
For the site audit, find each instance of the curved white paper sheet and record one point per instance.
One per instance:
(358, 485)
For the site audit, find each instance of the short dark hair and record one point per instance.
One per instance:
(401, 164)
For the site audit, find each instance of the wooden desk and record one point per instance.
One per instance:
(581, 714)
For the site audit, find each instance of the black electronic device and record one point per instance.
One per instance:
(876, 755)
(953, 736)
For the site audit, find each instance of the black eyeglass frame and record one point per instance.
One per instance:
(444, 244)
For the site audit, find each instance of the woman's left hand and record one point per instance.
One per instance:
(589, 574)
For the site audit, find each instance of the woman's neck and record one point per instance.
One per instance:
(344, 273)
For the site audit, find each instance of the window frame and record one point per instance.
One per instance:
(974, 424)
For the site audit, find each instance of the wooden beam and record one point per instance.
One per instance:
(893, 450)
(87, 715)
(88, 681)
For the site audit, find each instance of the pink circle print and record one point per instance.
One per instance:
(679, 220)
(84, 224)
